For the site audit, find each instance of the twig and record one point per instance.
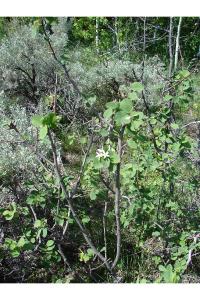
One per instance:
(59, 62)
(191, 123)
(104, 228)
(63, 256)
(117, 198)
(67, 222)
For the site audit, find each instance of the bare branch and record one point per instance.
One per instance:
(117, 199)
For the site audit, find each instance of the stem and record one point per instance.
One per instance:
(170, 46)
(177, 44)
(68, 77)
(117, 199)
(97, 35)
(104, 228)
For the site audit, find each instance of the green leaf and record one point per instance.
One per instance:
(44, 232)
(50, 243)
(21, 242)
(51, 120)
(156, 233)
(174, 126)
(161, 268)
(122, 118)
(93, 194)
(114, 158)
(183, 73)
(137, 87)
(112, 105)
(103, 132)
(153, 121)
(133, 96)
(90, 252)
(43, 132)
(86, 220)
(132, 144)
(126, 105)
(8, 214)
(135, 124)
(108, 113)
(91, 100)
(37, 224)
(37, 121)
(167, 98)
(15, 253)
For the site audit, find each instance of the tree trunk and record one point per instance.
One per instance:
(177, 44)
(97, 35)
(170, 46)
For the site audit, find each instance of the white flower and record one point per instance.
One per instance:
(101, 153)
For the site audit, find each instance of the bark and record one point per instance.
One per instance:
(97, 35)
(117, 200)
(170, 47)
(177, 44)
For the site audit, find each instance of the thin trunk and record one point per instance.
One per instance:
(104, 228)
(117, 200)
(170, 47)
(117, 34)
(144, 48)
(177, 44)
(97, 35)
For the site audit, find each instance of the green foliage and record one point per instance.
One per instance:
(144, 150)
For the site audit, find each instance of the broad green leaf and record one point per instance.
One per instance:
(167, 98)
(44, 232)
(86, 220)
(137, 87)
(132, 144)
(161, 268)
(91, 100)
(37, 224)
(126, 105)
(133, 96)
(50, 243)
(51, 120)
(153, 121)
(122, 118)
(112, 105)
(174, 126)
(21, 242)
(156, 233)
(103, 132)
(183, 73)
(135, 124)
(43, 132)
(15, 253)
(114, 157)
(90, 252)
(93, 194)
(108, 113)
(37, 121)
(8, 214)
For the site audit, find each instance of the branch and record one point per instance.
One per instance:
(117, 199)
(63, 256)
(191, 123)
(68, 198)
(104, 228)
(59, 62)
